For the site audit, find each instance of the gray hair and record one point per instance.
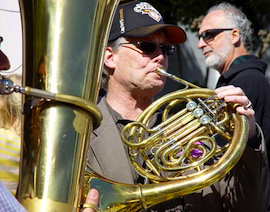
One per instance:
(105, 75)
(238, 20)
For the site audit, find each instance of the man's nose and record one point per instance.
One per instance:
(4, 62)
(201, 43)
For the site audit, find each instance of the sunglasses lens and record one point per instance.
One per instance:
(168, 49)
(148, 47)
(207, 36)
(211, 33)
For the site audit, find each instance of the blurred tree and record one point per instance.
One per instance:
(190, 12)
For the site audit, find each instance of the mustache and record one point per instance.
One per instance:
(207, 50)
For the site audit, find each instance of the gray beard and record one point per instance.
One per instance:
(217, 59)
(213, 61)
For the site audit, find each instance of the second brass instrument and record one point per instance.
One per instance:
(63, 47)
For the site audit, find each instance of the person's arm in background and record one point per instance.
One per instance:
(8, 202)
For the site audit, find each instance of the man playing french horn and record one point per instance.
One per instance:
(139, 45)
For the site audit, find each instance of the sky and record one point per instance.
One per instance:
(10, 30)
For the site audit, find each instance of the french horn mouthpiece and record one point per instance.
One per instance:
(187, 84)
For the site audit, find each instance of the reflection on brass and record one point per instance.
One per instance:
(63, 46)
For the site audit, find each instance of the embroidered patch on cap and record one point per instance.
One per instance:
(121, 21)
(146, 8)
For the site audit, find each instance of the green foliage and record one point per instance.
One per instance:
(188, 12)
(185, 11)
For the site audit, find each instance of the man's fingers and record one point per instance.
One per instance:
(233, 95)
(237, 96)
(91, 201)
(229, 91)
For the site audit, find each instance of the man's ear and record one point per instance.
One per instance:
(109, 58)
(235, 36)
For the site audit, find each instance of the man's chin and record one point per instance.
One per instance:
(211, 63)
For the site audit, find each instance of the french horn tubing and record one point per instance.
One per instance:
(175, 151)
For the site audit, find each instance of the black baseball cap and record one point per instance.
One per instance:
(140, 19)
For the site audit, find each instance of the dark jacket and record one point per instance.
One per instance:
(248, 73)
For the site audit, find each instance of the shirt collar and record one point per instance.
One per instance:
(118, 119)
(240, 59)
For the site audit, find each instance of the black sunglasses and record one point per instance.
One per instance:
(209, 34)
(149, 47)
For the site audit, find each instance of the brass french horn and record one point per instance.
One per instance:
(176, 150)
